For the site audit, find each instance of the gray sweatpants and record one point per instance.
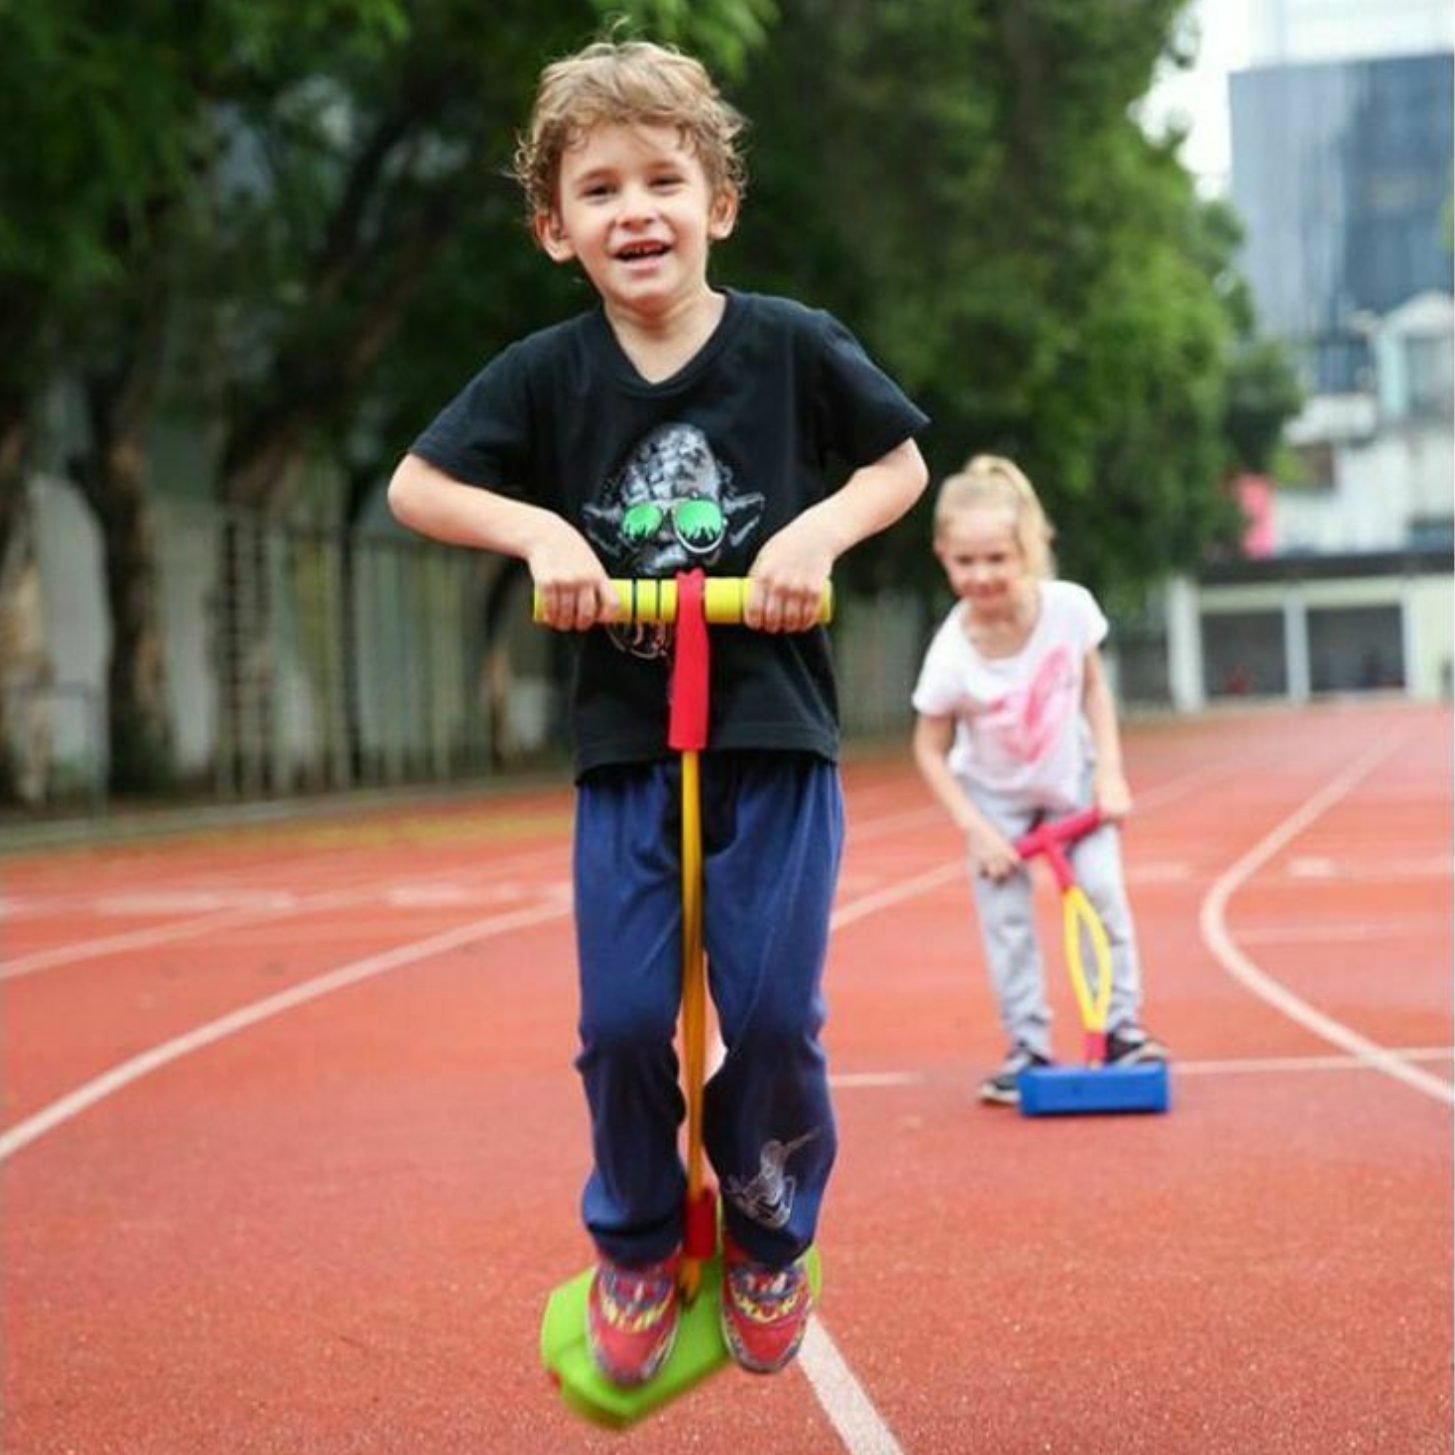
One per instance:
(1008, 928)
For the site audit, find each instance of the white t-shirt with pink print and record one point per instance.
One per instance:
(1020, 732)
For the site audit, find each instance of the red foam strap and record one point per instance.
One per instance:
(1050, 839)
(699, 1232)
(687, 725)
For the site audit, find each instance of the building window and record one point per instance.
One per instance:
(1355, 649)
(1315, 467)
(1243, 654)
(1430, 367)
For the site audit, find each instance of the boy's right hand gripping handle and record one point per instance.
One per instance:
(723, 600)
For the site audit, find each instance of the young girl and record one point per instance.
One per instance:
(1016, 724)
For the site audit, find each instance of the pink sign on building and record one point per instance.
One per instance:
(1254, 494)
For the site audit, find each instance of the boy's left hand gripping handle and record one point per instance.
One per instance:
(724, 597)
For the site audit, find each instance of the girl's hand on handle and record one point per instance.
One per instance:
(575, 590)
(1113, 795)
(992, 854)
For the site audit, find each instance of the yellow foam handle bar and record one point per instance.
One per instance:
(723, 600)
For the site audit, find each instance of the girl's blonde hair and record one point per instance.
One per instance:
(633, 83)
(993, 480)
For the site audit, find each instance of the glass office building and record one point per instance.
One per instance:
(1342, 175)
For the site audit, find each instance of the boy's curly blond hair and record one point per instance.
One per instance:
(636, 83)
(994, 480)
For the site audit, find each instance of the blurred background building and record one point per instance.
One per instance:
(1341, 158)
(309, 650)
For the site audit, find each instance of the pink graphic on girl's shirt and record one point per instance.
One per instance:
(1028, 720)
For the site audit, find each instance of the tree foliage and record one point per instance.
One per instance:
(288, 222)
(968, 184)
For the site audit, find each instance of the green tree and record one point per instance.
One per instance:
(227, 214)
(965, 180)
(103, 217)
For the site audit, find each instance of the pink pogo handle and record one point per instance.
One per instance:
(1053, 837)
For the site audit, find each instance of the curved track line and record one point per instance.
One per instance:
(1212, 922)
(852, 1413)
(363, 891)
(855, 1419)
(360, 892)
(89, 1093)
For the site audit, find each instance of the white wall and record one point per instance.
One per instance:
(1381, 486)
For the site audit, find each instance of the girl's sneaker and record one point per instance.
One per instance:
(764, 1310)
(1130, 1045)
(631, 1319)
(1003, 1088)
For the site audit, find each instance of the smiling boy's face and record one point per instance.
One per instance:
(635, 208)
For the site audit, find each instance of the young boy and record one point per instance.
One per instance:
(677, 426)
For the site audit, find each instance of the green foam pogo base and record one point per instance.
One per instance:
(1086, 1090)
(698, 1351)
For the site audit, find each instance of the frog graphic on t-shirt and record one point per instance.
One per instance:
(669, 508)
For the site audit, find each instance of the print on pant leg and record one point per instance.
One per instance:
(767, 1198)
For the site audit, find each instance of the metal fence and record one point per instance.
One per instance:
(304, 659)
(342, 658)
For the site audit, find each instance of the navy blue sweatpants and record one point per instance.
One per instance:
(773, 829)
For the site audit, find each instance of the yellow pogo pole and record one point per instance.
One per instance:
(1077, 915)
(1096, 1086)
(700, 1201)
(693, 603)
(1053, 839)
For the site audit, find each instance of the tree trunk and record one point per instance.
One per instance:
(14, 434)
(137, 716)
(113, 476)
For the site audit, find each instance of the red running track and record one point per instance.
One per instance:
(292, 1145)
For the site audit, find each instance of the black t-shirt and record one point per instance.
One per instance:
(697, 470)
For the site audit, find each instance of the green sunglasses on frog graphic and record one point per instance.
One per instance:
(697, 523)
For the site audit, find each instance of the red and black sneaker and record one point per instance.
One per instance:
(764, 1310)
(631, 1319)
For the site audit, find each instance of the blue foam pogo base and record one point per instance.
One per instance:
(1077, 1090)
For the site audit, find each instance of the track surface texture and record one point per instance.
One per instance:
(292, 1147)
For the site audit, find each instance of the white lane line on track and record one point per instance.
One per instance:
(853, 1416)
(79, 951)
(1265, 1064)
(1428, 928)
(1250, 1066)
(858, 909)
(370, 891)
(854, 1079)
(850, 1410)
(120, 1076)
(235, 916)
(1212, 919)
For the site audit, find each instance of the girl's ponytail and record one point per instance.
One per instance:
(995, 480)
